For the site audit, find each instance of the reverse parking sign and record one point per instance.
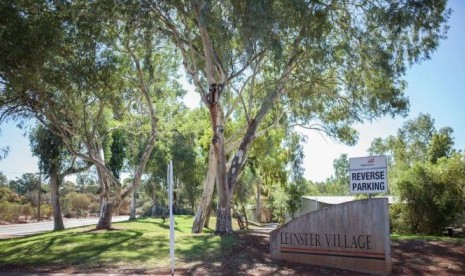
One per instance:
(368, 175)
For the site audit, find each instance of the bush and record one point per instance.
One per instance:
(14, 213)
(432, 197)
(77, 205)
(45, 211)
(7, 212)
(398, 219)
(7, 195)
(28, 211)
(125, 208)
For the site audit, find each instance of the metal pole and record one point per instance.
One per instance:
(39, 198)
(170, 191)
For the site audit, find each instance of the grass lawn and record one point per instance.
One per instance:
(401, 237)
(140, 244)
(142, 247)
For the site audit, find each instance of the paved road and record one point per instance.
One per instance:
(14, 230)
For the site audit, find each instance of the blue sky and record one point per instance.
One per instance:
(435, 86)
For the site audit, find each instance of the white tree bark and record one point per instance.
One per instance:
(208, 188)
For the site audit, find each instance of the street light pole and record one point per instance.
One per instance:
(39, 196)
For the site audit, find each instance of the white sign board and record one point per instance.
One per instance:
(368, 175)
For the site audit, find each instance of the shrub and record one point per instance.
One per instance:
(76, 204)
(7, 195)
(13, 212)
(45, 211)
(432, 196)
(398, 219)
(6, 212)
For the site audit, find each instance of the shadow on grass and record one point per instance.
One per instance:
(236, 254)
(144, 242)
(85, 248)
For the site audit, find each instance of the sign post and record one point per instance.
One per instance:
(368, 175)
(170, 196)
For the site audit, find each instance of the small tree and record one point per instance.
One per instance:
(338, 184)
(432, 195)
(3, 179)
(56, 162)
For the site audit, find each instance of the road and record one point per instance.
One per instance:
(15, 230)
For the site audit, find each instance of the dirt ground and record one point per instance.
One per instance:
(408, 258)
(251, 257)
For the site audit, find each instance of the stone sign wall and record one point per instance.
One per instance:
(352, 235)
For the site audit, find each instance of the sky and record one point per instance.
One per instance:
(435, 86)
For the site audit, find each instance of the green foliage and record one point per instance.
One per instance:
(88, 68)
(286, 200)
(416, 141)
(15, 213)
(117, 152)
(245, 188)
(45, 211)
(182, 141)
(433, 195)
(295, 191)
(278, 202)
(6, 195)
(403, 237)
(337, 184)
(3, 179)
(76, 204)
(426, 173)
(86, 183)
(28, 182)
(440, 145)
(49, 148)
(398, 218)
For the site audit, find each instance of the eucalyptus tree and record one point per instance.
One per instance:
(3, 179)
(330, 63)
(416, 141)
(56, 162)
(99, 63)
(441, 145)
(180, 141)
(338, 183)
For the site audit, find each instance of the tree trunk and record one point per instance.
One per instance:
(55, 201)
(258, 210)
(106, 213)
(39, 198)
(216, 77)
(205, 203)
(133, 205)
(106, 206)
(153, 212)
(245, 217)
(223, 218)
(223, 222)
(208, 216)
